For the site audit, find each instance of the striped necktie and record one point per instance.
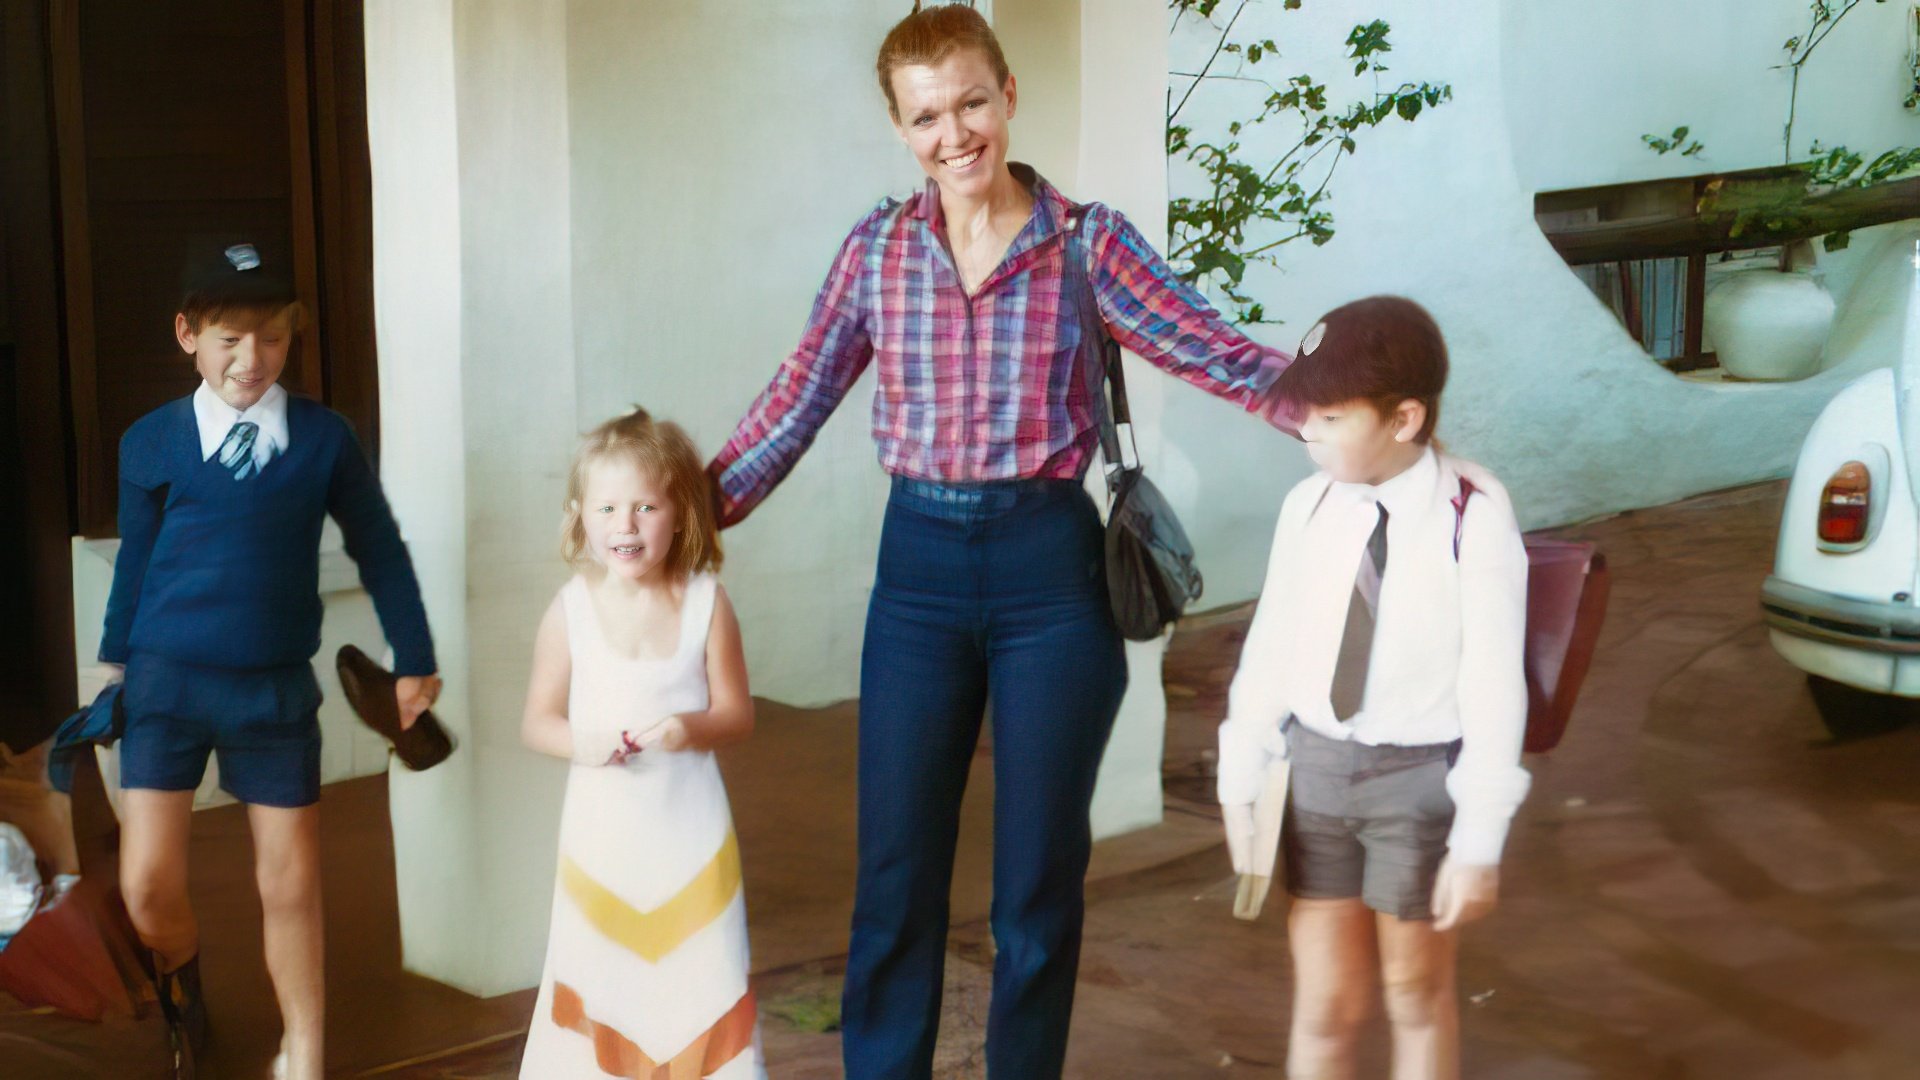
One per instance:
(236, 453)
(1356, 642)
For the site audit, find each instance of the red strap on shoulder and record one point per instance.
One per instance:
(1460, 513)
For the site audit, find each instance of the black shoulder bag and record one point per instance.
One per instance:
(1151, 577)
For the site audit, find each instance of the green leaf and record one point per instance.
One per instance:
(1226, 262)
(1409, 107)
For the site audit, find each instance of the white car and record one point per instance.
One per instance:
(1840, 604)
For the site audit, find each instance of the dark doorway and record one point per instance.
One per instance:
(134, 129)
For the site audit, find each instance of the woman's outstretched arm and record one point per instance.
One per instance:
(782, 422)
(1151, 311)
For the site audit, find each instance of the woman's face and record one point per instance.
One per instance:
(953, 116)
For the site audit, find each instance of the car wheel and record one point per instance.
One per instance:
(1851, 713)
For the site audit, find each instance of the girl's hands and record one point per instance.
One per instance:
(628, 748)
(668, 735)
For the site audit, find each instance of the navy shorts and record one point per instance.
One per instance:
(264, 725)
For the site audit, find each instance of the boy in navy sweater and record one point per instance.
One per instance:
(213, 622)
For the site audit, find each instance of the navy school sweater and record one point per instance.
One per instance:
(225, 573)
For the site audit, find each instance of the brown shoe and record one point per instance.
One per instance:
(369, 689)
(185, 1011)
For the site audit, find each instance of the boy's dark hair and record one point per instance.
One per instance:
(228, 284)
(1382, 350)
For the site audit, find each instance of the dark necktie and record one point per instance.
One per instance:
(1356, 641)
(236, 453)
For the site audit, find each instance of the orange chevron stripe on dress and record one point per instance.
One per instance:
(617, 1055)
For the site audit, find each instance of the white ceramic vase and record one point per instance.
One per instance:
(1768, 326)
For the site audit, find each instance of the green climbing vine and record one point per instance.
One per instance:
(1250, 203)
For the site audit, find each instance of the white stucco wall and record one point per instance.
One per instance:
(722, 151)
(1547, 389)
(519, 386)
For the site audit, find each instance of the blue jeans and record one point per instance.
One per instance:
(988, 592)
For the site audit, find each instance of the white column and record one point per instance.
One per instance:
(1123, 164)
(416, 223)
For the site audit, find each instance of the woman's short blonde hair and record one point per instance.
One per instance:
(661, 450)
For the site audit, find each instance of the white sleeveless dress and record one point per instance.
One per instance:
(646, 971)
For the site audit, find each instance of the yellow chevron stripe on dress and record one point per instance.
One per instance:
(654, 934)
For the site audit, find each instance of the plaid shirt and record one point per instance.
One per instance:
(991, 386)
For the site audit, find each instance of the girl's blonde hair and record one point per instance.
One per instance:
(659, 449)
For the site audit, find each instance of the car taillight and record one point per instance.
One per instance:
(1844, 505)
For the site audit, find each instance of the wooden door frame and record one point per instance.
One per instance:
(332, 229)
(28, 203)
(43, 241)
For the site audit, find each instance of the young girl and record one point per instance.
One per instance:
(637, 676)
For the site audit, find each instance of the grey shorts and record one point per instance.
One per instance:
(1366, 821)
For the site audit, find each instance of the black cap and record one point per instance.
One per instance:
(233, 273)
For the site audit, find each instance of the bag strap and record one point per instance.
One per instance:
(1460, 513)
(1113, 397)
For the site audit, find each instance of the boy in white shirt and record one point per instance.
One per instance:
(1383, 671)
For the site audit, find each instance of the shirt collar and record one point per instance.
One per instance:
(1050, 208)
(216, 418)
(1407, 492)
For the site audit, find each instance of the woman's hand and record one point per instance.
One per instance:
(1463, 894)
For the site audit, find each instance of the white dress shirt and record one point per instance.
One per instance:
(1448, 646)
(216, 418)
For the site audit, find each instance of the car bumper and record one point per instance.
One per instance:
(1877, 626)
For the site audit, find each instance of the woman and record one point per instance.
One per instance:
(990, 582)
